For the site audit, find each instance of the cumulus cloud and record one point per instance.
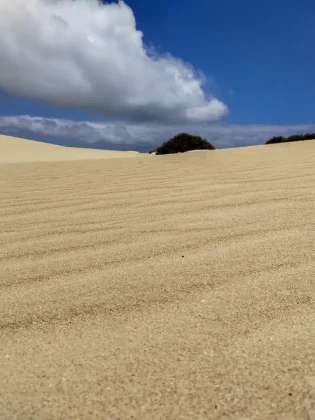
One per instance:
(142, 137)
(89, 55)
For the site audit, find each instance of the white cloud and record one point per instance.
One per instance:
(141, 136)
(89, 55)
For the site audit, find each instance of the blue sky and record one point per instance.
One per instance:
(86, 75)
(260, 51)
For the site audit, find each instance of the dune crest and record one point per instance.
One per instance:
(14, 150)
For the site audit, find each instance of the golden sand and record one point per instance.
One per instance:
(159, 287)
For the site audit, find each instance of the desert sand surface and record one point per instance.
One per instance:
(159, 287)
(16, 150)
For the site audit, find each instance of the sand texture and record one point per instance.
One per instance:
(16, 150)
(159, 287)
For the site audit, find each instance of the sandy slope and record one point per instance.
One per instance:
(172, 287)
(16, 150)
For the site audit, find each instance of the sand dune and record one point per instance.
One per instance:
(160, 287)
(14, 150)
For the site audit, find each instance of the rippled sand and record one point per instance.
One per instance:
(159, 287)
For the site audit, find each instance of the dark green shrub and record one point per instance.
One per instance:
(184, 142)
(294, 137)
(278, 139)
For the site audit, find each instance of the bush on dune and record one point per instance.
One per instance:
(294, 137)
(183, 142)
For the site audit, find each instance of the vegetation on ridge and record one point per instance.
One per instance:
(183, 142)
(294, 137)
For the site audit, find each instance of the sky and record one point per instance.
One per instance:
(130, 75)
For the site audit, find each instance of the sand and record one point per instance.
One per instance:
(16, 150)
(159, 287)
